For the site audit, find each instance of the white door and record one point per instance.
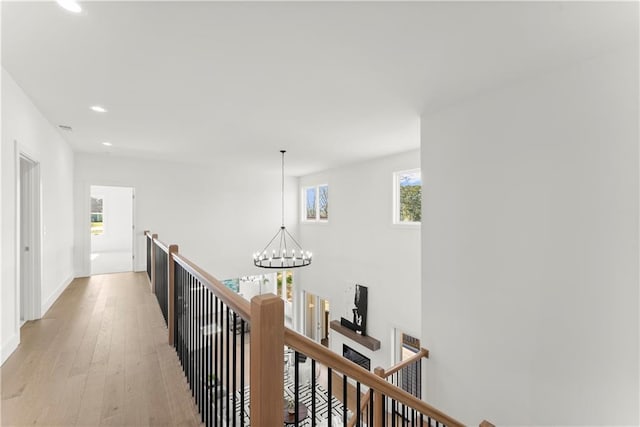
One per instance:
(111, 229)
(29, 239)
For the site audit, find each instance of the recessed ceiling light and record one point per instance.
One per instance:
(108, 144)
(99, 109)
(70, 5)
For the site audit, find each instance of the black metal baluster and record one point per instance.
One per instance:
(296, 383)
(330, 392)
(205, 340)
(188, 330)
(218, 373)
(182, 319)
(235, 351)
(187, 307)
(357, 414)
(242, 373)
(404, 414)
(201, 376)
(313, 393)
(393, 413)
(344, 396)
(191, 337)
(196, 349)
(211, 355)
(220, 331)
(226, 332)
(384, 409)
(421, 419)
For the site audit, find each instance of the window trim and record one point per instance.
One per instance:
(303, 215)
(396, 199)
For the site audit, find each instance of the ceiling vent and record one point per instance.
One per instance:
(65, 127)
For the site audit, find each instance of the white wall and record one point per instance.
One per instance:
(117, 208)
(530, 250)
(359, 244)
(24, 129)
(218, 214)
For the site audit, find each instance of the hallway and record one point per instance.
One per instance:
(98, 357)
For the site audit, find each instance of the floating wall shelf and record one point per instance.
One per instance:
(365, 340)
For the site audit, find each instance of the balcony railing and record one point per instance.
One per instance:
(287, 379)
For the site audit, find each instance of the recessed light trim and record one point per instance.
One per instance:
(70, 5)
(108, 144)
(98, 109)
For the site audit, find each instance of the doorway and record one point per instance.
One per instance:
(29, 231)
(111, 229)
(317, 318)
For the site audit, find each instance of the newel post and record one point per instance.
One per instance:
(171, 276)
(154, 237)
(267, 360)
(378, 404)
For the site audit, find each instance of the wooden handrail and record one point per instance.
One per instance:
(161, 245)
(398, 366)
(237, 303)
(333, 360)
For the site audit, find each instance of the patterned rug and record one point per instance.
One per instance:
(321, 408)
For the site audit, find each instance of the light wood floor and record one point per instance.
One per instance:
(98, 357)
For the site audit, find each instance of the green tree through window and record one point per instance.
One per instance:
(97, 224)
(410, 196)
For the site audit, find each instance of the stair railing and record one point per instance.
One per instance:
(207, 326)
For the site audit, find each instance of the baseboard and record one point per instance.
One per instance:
(9, 346)
(49, 302)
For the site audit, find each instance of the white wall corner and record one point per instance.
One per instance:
(49, 302)
(9, 346)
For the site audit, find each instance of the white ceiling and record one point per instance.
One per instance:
(333, 83)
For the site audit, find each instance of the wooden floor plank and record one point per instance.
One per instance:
(98, 357)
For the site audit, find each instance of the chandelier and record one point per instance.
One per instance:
(282, 251)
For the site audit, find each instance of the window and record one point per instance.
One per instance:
(97, 223)
(408, 197)
(288, 294)
(316, 203)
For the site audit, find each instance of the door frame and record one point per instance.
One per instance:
(33, 193)
(87, 241)
(318, 310)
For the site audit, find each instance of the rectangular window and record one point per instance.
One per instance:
(408, 197)
(311, 203)
(288, 294)
(323, 202)
(97, 222)
(316, 203)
